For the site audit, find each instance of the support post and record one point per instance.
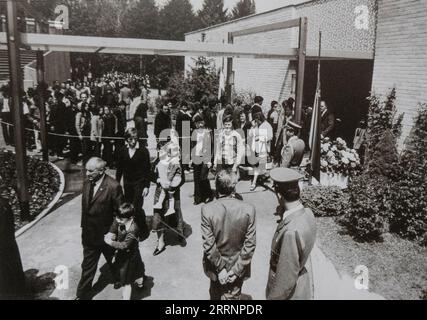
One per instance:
(229, 84)
(13, 43)
(41, 86)
(302, 52)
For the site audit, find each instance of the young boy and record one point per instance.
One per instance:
(169, 175)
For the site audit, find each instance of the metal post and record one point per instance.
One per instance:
(229, 84)
(302, 52)
(41, 86)
(13, 43)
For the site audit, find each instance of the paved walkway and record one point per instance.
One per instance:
(175, 274)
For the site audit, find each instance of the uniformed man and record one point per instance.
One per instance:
(290, 266)
(294, 147)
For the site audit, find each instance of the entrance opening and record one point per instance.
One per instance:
(346, 84)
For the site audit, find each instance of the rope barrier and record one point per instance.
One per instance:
(83, 136)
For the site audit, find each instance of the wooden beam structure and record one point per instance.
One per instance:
(267, 28)
(53, 42)
(229, 81)
(302, 53)
(13, 43)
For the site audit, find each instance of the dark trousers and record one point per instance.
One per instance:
(75, 148)
(8, 131)
(86, 149)
(229, 291)
(107, 152)
(202, 186)
(133, 194)
(59, 142)
(91, 255)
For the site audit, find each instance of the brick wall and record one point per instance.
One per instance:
(272, 78)
(401, 54)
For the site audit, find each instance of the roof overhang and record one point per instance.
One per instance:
(66, 43)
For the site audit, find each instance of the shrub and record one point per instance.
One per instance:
(383, 130)
(202, 80)
(368, 208)
(409, 193)
(325, 201)
(43, 183)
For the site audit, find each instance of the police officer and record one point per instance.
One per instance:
(290, 266)
(294, 147)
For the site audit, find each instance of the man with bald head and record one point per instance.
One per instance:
(102, 196)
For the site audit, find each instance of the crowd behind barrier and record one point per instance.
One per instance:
(89, 118)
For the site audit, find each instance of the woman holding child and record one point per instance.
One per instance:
(169, 179)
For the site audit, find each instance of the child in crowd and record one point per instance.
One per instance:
(169, 174)
(123, 236)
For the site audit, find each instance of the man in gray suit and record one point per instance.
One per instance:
(102, 196)
(229, 239)
(290, 266)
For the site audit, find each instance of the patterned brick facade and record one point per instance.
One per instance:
(273, 78)
(401, 54)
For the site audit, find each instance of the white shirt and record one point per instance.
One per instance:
(199, 145)
(98, 185)
(132, 151)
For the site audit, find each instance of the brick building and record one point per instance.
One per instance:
(367, 45)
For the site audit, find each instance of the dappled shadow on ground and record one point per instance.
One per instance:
(103, 281)
(145, 291)
(246, 297)
(40, 287)
(174, 237)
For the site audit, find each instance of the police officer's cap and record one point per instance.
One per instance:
(286, 178)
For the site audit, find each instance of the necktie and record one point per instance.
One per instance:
(91, 191)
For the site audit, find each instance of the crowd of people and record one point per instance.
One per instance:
(84, 118)
(104, 123)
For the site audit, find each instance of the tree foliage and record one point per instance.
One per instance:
(212, 13)
(202, 80)
(243, 8)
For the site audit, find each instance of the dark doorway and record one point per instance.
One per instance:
(346, 84)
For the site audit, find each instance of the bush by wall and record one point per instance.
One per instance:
(409, 193)
(367, 210)
(325, 201)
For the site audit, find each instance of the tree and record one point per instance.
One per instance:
(176, 19)
(243, 8)
(141, 20)
(212, 13)
(202, 80)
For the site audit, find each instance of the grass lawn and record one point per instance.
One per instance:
(397, 267)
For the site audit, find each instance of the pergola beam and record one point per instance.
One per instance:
(267, 28)
(50, 42)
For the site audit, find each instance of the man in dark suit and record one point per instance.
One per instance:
(290, 267)
(327, 121)
(102, 196)
(229, 240)
(163, 121)
(134, 165)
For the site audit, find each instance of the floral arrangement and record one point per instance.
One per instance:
(337, 157)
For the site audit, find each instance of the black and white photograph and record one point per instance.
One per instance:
(211, 150)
